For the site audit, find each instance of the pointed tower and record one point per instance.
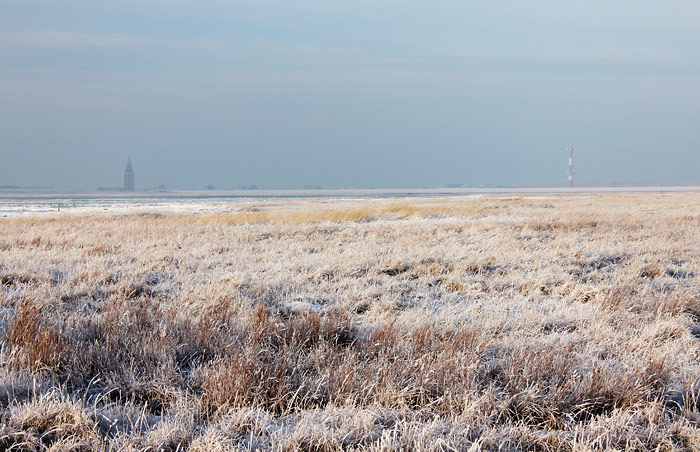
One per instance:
(570, 172)
(129, 177)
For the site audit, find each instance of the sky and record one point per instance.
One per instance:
(348, 93)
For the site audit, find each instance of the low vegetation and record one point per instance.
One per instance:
(567, 322)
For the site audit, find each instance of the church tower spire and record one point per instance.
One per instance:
(129, 177)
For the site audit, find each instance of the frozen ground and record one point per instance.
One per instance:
(13, 202)
(502, 322)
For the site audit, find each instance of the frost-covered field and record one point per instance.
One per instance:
(33, 205)
(526, 322)
(38, 202)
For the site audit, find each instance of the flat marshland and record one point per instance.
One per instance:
(561, 322)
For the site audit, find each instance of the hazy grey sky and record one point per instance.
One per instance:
(348, 93)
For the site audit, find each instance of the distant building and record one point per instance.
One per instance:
(129, 177)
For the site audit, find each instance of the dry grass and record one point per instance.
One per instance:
(485, 323)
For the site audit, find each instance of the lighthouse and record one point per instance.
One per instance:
(570, 172)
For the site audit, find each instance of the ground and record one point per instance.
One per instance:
(523, 322)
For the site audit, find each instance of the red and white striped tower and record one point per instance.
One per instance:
(571, 166)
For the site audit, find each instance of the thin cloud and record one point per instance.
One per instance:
(59, 39)
(53, 38)
(641, 53)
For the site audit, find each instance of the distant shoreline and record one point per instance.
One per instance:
(331, 193)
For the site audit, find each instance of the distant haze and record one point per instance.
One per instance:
(348, 93)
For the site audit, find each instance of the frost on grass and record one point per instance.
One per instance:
(491, 323)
